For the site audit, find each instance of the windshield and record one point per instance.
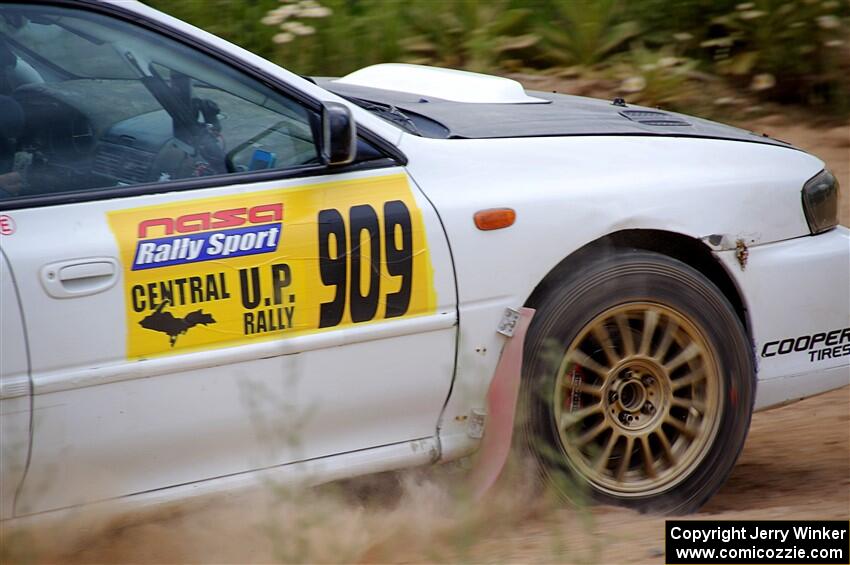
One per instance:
(99, 102)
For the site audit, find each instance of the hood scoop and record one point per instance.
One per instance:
(653, 118)
(445, 84)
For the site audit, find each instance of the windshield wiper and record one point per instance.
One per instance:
(389, 113)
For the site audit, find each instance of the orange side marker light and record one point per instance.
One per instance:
(494, 218)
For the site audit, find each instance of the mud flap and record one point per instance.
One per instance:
(501, 409)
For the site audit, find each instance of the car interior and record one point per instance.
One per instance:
(89, 102)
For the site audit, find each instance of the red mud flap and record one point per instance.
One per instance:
(501, 409)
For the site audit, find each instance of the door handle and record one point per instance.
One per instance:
(79, 277)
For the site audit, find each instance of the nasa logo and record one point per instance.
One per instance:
(220, 219)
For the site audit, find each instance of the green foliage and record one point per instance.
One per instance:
(786, 50)
(236, 21)
(478, 35)
(586, 33)
(656, 77)
(798, 43)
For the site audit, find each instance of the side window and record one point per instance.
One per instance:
(87, 102)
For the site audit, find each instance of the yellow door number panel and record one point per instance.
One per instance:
(221, 271)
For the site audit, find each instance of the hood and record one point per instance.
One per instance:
(460, 105)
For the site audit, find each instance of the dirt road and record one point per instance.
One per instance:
(796, 464)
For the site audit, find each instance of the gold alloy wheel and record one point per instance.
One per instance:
(638, 399)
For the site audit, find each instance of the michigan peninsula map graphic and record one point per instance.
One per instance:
(172, 326)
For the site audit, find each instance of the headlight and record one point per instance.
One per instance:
(820, 201)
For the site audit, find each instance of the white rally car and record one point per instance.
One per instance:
(215, 271)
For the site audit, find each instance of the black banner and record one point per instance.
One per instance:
(693, 542)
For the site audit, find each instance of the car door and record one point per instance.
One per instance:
(14, 386)
(202, 296)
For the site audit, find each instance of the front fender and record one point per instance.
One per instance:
(570, 191)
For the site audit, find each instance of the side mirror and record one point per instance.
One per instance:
(339, 134)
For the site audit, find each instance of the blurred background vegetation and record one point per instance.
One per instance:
(716, 57)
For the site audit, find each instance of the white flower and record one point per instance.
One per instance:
(751, 14)
(682, 36)
(297, 28)
(746, 6)
(828, 22)
(283, 37)
(286, 11)
(834, 43)
(278, 15)
(317, 12)
(271, 19)
(633, 84)
(763, 81)
(666, 62)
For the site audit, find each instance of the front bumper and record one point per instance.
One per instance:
(797, 294)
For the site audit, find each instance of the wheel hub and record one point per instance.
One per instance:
(634, 397)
